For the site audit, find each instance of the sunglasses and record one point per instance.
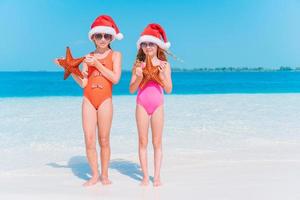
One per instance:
(99, 36)
(147, 44)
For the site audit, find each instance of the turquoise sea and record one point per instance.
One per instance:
(38, 84)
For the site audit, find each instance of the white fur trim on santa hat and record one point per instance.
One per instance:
(150, 38)
(105, 29)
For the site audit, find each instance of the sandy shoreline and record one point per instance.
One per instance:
(215, 147)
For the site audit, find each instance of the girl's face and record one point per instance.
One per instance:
(149, 48)
(102, 40)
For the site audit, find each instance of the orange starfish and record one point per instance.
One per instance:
(70, 64)
(150, 73)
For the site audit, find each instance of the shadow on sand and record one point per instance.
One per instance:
(80, 168)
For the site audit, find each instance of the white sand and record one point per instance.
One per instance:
(215, 147)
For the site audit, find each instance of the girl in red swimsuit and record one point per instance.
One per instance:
(101, 69)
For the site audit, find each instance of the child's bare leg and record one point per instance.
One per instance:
(142, 120)
(89, 122)
(157, 123)
(105, 113)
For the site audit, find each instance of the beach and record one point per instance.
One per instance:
(221, 146)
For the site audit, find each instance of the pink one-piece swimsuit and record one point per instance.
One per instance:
(151, 96)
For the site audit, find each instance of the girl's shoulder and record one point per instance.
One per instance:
(116, 54)
(165, 62)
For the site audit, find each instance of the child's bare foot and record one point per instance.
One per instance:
(156, 183)
(92, 181)
(144, 182)
(105, 180)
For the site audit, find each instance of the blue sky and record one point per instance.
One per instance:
(209, 33)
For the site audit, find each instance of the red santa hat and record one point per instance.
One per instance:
(105, 24)
(156, 34)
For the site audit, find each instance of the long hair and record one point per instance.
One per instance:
(141, 56)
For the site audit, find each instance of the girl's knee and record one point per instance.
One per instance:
(90, 146)
(104, 142)
(157, 144)
(90, 143)
(143, 142)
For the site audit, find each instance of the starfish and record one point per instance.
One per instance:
(150, 73)
(70, 64)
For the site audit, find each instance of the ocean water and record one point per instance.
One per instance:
(39, 84)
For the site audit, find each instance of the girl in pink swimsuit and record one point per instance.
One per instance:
(150, 98)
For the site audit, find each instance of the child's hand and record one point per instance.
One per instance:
(85, 73)
(162, 70)
(56, 61)
(91, 60)
(138, 69)
(139, 72)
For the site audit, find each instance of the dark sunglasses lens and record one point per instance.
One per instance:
(150, 44)
(107, 36)
(98, 36)
(143, 44)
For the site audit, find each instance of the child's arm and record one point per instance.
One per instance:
(113, 76)
(136, 78)
(81, 82)
(165, 76)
